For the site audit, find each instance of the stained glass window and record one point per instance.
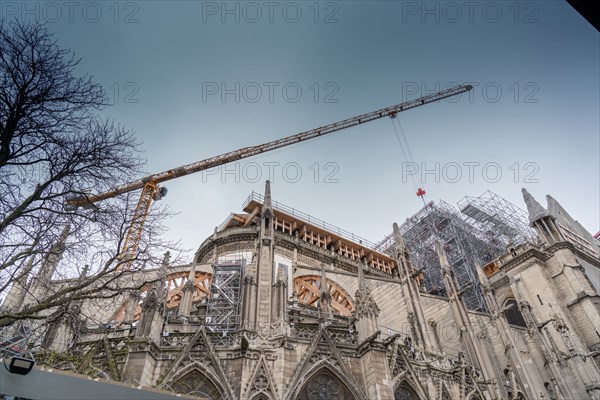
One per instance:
(324, 386)
(405, 392)
(196, 383)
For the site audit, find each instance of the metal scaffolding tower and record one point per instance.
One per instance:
(19, 339)
(223, 308)
(501, 221)
(487, 226)
(464, 244)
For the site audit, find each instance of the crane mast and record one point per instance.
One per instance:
(150, 184)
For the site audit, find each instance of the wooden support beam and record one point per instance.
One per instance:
(337, 245)
(251, 216)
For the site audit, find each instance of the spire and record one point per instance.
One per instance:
(535, 209)
(323, 280)
(161, 287)
(85, 271)
(64, 234)
(164, 266)
(447, 272)
(412, 299)
(27, 270)
(149, 325)
(398, 239)
(442, 256)
(401, 254)
(267, 200)
(482, 277)
(16, 296)
(362, 285)
(366, 310)
(263, 304)
(365, 304)
(59, 247)
(477, 355)
(54, 255)
(324, 297)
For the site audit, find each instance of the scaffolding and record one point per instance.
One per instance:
(465, 246)
(485, 228)
(223, 307)
(501, 221)
(19, 339)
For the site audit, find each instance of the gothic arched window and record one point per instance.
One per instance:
(195, 383)
(405, 392)
(513, 314)
(324, 386)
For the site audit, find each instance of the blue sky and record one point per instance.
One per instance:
(196, 79)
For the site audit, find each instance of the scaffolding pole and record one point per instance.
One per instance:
(464, 246)
(487, 226)
(223, 307)
(500, 220)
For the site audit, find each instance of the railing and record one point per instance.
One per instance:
(313, 221)
(385, 244)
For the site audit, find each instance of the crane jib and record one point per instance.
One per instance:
(254, 150)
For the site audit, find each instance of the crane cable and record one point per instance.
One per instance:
(417, 184)
(407, 154)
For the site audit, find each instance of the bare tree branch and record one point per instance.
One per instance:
(53, 146)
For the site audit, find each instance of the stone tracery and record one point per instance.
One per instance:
(324, 386)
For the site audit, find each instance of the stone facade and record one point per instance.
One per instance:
(317, 321)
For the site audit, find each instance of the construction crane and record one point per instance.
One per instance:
(152, 191)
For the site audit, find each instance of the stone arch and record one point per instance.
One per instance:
(308, 290)
(512, 313)
(325, 383)
(197, 380)
(322, 353)
(261, 396)
(504, 293)
(406, 391)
